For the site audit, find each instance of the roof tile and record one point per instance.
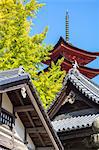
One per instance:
(74, 123)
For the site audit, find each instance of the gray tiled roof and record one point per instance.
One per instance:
(74, 123)
(13, 75)
(84, 85)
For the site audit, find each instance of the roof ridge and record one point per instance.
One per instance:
(61, 39)
(4, 71)
(77, 73)
(12, 72)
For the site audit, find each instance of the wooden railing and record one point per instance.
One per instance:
(6, 118)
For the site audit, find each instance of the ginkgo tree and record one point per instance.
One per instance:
(18, 48)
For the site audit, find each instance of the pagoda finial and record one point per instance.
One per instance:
(67, 26)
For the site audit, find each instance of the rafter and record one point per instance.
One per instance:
(36, 130)
(23, 108)
(44, 148)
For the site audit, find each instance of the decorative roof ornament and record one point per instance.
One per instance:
(67, 26)
(70, 98)
(21, 70)
(23, 92)
(75, 65)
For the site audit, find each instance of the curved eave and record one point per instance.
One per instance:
(79, 52)
(66, 65)
(62, 41)
(89, 72)
(69, 54)
(82, 56)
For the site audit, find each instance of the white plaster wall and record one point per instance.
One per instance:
(19, 127)
(19, 131)
(30, 144)
(6, 103)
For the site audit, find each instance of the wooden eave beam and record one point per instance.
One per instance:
(13, 88)
(35, 130)
(23, 108)
(75, 134)
(55, 108)
(44, 118)
(44, 148)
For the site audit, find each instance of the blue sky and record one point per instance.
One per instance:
(83, 24)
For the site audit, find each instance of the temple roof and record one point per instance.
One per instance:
(35, 119)
(83, 84)
(62, 41)
(74, 123)
(70, 51)
(75, 120)
(88, 72)
(12, 76)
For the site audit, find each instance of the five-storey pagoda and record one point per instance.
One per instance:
(65, 49)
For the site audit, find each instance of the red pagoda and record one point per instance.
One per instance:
(70, 53)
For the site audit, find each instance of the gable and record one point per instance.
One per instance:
(76, 88)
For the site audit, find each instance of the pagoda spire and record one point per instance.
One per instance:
(67, 26)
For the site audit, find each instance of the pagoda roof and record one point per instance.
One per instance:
(67, 50)
(61, 40)
(35, 119)
(88, 72)
(83, 84)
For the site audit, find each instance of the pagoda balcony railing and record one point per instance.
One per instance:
(6, 118)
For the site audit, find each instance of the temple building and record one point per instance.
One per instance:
(24, 125)
(64, 48)
(71, 122)
(75, 112)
